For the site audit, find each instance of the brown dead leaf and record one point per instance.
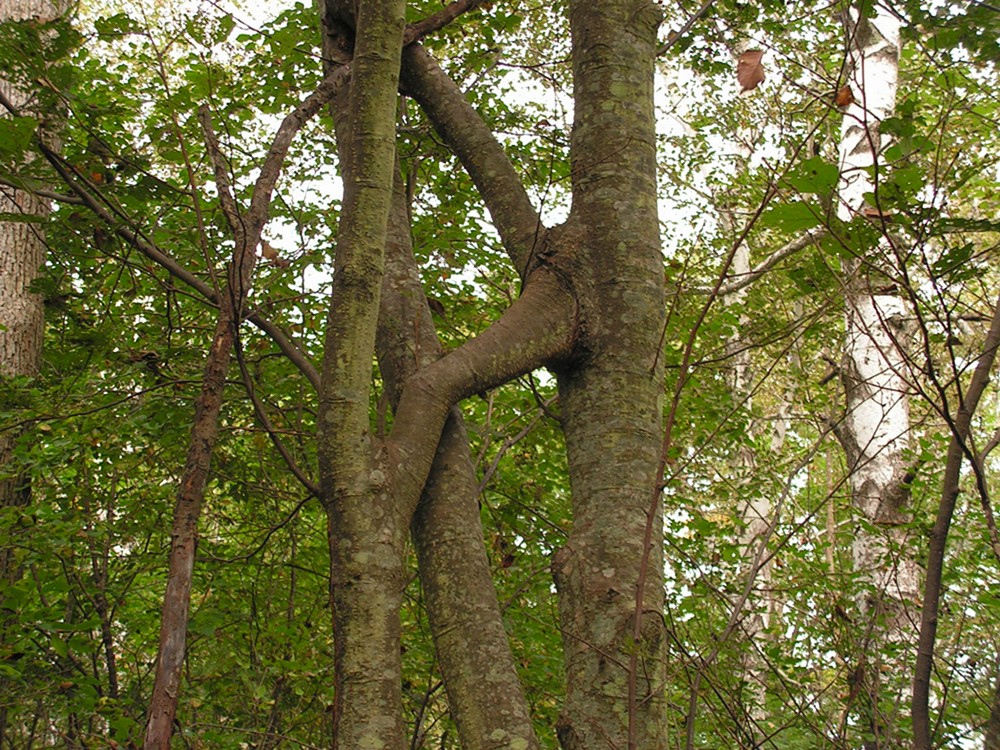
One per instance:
(269, 252)
(844, 97)
(750, 70)
(870, 212)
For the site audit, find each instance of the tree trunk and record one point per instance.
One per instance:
(606, 575)
(992, 740)
(875, 429)
(22, 324)
(366, 533)
(484, 693)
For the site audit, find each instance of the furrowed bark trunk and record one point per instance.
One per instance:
(22, 324)
(611, 399)
(875, 430)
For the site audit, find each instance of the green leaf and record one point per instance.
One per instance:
(814, 175)
(116, 26)
(223, 29)
(792, 217)
(953, 259)
(15, 136)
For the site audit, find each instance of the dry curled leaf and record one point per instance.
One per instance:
(875, 214)
(750, 70)
(844, 97)
(269, 252)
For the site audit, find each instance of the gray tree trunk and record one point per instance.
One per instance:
(610, 573)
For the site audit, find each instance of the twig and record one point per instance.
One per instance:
(809, 238)
(261, 413)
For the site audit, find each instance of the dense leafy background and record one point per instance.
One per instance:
(108, 417)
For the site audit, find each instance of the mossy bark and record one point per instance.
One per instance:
(365, 534)
(611, 397)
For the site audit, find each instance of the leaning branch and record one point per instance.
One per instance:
(745, 280)
(957, 449)
(537, 329)
(417, 31)
(465, 132)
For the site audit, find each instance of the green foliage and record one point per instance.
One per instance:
(104, 426)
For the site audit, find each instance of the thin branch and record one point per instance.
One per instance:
(745, 280)
(270, 171)
(957, 449)
(122, 225)
(223, 184)
(417, 31)
(674, 36)
(311, 487)
(41, 193)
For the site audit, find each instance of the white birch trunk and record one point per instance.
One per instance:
(875, 431)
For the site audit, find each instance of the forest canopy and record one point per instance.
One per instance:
(515, 374)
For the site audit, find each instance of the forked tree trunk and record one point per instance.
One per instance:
(875, 430)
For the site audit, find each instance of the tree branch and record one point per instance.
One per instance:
(745, 280)
(465, 132)
(538, 328)
(417, 31)
(121, 224)
(311, 487)
(960, 430)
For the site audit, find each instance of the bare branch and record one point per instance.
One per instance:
(417, 31)
(271, 169)
(311, 487)
(222, 182)
(674, 36)
(49, 194)
(958, 448)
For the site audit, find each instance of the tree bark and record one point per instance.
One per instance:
(611, 399)
(22, 325)
(875, 429)
(484, 693)
(365, 533)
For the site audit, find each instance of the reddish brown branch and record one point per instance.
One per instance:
(957, 449)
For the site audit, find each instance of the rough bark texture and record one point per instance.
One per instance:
(22, 324)
(22, 252)
(611, 399)
(875, 430)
